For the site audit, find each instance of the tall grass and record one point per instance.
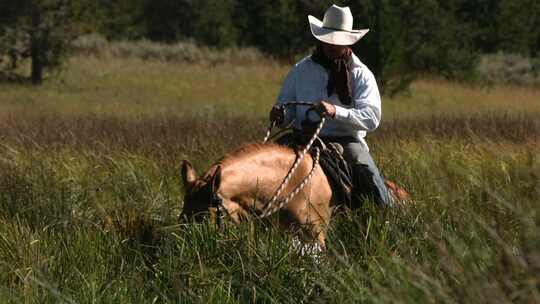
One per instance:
(86, 226)
(90, 194)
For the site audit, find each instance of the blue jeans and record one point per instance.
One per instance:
(368, 181)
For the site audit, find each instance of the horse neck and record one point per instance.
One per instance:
(256, 174)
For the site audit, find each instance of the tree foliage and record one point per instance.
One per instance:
(407, 37)
(39, 30)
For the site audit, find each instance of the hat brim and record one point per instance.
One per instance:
(336, 37)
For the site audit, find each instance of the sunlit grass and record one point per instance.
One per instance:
(134, 87)
(440, 97)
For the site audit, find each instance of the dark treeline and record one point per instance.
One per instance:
(407, 37)
(280, 27)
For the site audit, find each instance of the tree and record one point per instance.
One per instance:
(209, 22)
(383, 49)
(279, 28)
(39, 30)
(166, 20)
(10, 48)
(120, 19)
(516, 26)
(213, 22)
(437, 41)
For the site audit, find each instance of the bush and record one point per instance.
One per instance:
(184, 51)
(514, 69)
(90, 44)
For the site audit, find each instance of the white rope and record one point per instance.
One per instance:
(269, 209)
(290, 103)
(269, 131)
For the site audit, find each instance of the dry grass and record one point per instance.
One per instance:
(134, 87)
(187, 134)
(430, 97)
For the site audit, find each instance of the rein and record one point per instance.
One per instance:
(290, 103)
(271, 207)
(217, 202)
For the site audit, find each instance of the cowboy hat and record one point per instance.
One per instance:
(336, 27)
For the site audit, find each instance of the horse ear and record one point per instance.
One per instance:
(216, 180)
(188, 174)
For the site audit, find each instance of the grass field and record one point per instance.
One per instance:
(90, 193)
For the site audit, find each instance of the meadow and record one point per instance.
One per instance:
(90, 193)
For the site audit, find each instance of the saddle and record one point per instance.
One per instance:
(337, 171)
(346, 184)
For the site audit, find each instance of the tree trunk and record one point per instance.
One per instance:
(35, 48)
(13, 58)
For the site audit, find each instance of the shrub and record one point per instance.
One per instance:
(184, 51)
(90, 43)
(514, 69)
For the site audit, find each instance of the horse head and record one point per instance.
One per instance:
(199, 192)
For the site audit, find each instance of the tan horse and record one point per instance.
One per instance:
(246, 179)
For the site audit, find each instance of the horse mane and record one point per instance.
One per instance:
(242, 152)
(250, 149)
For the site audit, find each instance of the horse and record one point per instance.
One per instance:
(245, 180)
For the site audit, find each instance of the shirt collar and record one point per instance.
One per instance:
(355, 62)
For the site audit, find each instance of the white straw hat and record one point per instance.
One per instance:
(336, 27)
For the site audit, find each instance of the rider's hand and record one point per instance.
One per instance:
(326, 109)
(277, 114)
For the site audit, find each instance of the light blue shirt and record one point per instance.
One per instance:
(307, 82)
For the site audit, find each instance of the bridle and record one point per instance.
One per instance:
(272, 207)
(217, 203)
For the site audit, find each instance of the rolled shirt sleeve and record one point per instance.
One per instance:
(365, 115)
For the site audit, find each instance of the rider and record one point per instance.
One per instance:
(345, 92)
